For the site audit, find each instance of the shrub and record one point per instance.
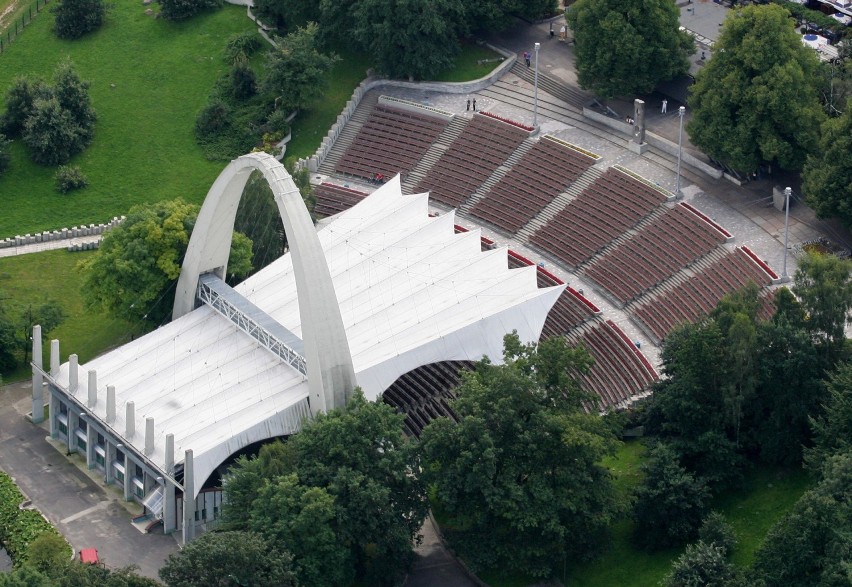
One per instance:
(5, 156)
(18, 528)
(715, 530)
(20, 98)
(277, 123)
(243, 80)
(69, 178)
(75, 18)
(213, 119)
(247, 44)
(180, 9)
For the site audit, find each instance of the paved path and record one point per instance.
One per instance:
(86, 512)
(434, 566)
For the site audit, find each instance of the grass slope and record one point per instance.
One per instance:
(149, 78)
(52, 275)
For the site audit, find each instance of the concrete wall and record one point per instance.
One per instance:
(61, 234)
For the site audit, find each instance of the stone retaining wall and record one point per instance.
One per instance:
(62, 234)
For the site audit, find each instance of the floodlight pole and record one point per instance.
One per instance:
(787, 192)
(535, 97)
(681, 111)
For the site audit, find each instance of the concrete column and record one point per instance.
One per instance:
(170, 455)
(91, 440)
(109, 457)
(72, 429)
(54, 357)
(128, 476)
(188, 498)
(72, 373)
(169, 521)
(149, 435)
(639, 121)
(93, 389)
(52, 413)
(110, 404)
(130, 416)
(38, 380)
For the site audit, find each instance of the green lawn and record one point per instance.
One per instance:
(467, 65)
(52, 275)
(149, 77)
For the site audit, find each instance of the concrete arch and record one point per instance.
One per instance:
(331, 376)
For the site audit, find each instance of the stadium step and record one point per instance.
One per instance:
(441, 144)
(574, 96)
(497, 175)
(349, 132)
(559, 202)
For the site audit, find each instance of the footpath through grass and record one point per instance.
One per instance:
(53, 275)
(149, 78)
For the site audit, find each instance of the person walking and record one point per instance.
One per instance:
(551, 30)
(562, 33)
(665, 106)
(468, 104)
(527, 57)
(474, 104)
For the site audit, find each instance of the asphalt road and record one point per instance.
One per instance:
(84, 511)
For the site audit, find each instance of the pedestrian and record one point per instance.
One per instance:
(468, 104)
(702, 56)
(551, 30)
(562, 33)
(665, 106)
(527, 57)
(474, 104)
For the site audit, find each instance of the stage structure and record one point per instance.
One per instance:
(380, 290)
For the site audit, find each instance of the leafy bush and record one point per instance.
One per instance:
(18, 528)
(75, 18)
(247, 44)
(213, 119)
(277, 123)
(69, 178)
(243, 80)
(5, 156)
(180, 9)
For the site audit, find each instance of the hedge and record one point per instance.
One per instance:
(19, 527)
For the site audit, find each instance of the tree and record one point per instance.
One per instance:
(229, 559)
(48, 315)
(8, 344)
(833, 428)
(756, 101)
(75, 18)
(643, 45)
(296, 71)
(20, 100)
(287, 15)
(358, 460)
(827, 176)
(301, 518)
(48, 554)
(670, 503)
(73, 96)
(180, 9)
(243, 83)
(823, 283)
(137, 265)
(715, 530)
(701, 565)
(24, 576)
(409, 38)
(520, 472)
(812, 544)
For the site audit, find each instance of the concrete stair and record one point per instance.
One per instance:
(498, 174)
(350, 131)
(559, 202)
(441, 144)
(556, 88)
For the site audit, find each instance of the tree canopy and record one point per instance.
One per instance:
(342, 496)
(181, 9)
(228, 559)
(827, 176)
(823, 283)
(134, 272)
(626, 47)
(757, 100)
(75, 18)
(520, 472)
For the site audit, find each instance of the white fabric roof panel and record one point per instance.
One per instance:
(411, 292)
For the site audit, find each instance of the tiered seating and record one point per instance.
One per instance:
(423, 393)
(482, 146)
(332, 199)
(391, 141)
(543, 173)
(620, 370)
(604, 210)
(570, 310)
(690, 300)
(664, 247)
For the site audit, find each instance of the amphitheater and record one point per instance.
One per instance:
(484, 223)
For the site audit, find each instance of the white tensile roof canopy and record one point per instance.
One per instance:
(410, 290)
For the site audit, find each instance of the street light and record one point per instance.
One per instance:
(787, 192)
(681, 111)
(535, 97)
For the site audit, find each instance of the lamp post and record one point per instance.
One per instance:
(787, 192)
(681, 111)
(535, 97)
